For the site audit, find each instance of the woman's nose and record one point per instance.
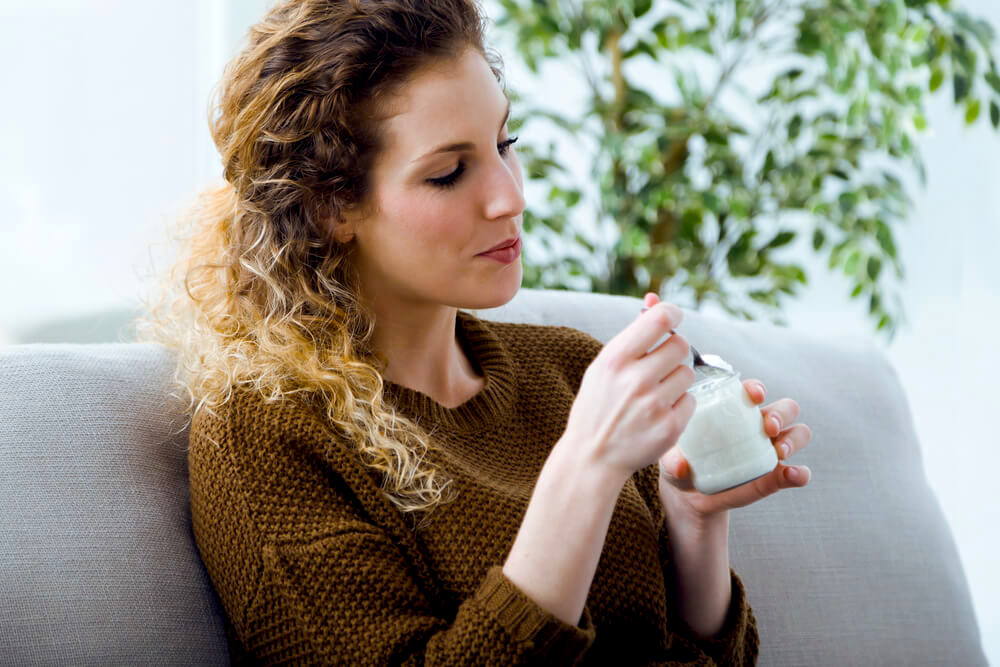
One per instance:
(504, 190)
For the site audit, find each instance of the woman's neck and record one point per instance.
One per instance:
(424, 354)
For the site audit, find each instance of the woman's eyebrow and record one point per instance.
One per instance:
(463, 146)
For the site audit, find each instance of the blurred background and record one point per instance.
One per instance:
(104, 133)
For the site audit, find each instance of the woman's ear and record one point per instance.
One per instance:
(343, 223)
(343, 230)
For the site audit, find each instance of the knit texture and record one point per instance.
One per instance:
(314, 565)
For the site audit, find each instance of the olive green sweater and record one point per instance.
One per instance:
(314, 565)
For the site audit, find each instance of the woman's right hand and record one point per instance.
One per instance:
(630, 409)
(632, 405)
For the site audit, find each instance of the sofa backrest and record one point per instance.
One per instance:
(98, 564)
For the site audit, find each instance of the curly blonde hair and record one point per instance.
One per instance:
(262, 296)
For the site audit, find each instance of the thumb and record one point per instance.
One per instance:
(673, 464)
(650, 300)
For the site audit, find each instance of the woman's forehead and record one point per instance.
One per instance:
(442, 104)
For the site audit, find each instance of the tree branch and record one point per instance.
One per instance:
(743, 44)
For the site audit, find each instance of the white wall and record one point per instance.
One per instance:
(103, 135)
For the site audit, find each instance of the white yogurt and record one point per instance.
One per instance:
(725, 443)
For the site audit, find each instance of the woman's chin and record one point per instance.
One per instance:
(497, 295)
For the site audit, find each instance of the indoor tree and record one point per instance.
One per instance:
(722, 134)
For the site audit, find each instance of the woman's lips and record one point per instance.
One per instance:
(506, 253)
(503, 244)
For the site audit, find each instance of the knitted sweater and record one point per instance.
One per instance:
(314, 565)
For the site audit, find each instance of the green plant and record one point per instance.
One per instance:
(706, 187)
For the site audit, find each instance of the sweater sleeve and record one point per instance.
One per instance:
(346, 595)
(348, 599)
(737, 642)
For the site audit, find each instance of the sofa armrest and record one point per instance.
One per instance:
(98, 565)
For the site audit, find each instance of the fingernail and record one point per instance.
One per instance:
(777, 422)
(785, 449)
(791, 473)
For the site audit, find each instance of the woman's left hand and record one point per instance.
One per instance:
(678, 492)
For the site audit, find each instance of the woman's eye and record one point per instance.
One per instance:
(504, 145)
(449, 180)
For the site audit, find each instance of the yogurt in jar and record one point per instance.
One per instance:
(724, 442)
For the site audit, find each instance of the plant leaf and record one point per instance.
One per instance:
(782, 238)
(874, 267)
(993, 79)
(960, 85)
(972, 111)
(937, 78)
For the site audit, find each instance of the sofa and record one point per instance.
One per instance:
(98, 565)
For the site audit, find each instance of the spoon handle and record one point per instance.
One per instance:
(698, 361)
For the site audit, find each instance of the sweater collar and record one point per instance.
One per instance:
(490, 406)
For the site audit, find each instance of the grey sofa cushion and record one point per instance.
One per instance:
(97, 561)
(858, 568)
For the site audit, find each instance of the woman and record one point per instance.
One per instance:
(378, 477)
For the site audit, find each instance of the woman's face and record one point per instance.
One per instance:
(446, 187)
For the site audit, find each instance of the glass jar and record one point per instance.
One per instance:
(724, 442)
